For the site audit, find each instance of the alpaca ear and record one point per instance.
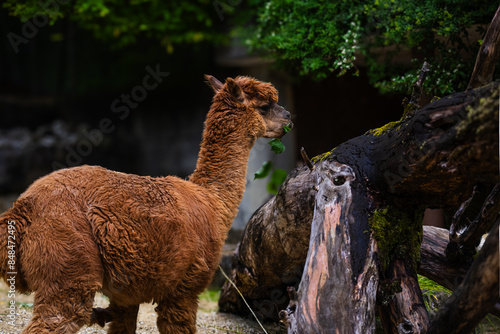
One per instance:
(235, 90)
(215, 84)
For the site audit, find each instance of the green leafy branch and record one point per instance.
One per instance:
(278, 175)
(276, 144)
(318, 38)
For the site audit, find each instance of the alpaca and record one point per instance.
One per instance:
(136, 239)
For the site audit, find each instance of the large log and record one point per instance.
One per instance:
(434, 264)
(271, 255)
(433, 158)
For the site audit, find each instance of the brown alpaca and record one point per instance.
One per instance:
(137, 239)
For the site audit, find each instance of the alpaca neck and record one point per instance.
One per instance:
(223, 161)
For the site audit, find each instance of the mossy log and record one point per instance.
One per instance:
(431, 158)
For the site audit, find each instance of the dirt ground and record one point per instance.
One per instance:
(209, 320)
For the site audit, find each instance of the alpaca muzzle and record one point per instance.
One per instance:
(278, 122)
(287, 119)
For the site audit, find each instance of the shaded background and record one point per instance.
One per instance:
(60, 85)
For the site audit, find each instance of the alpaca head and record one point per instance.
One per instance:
(256, 98)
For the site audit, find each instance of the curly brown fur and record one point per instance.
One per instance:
(137, 239)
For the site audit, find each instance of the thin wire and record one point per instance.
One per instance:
(234, 285)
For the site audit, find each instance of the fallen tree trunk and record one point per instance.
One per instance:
(432, 158)
(271, 255)
(434, 264)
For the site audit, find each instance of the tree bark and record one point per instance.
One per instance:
(333, 290)
(405, 313)
(433, 158)
(434, 264)
(465, 241)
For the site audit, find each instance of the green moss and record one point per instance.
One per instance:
(395, 125)
(479, 115)
(322, 156)
(409, 108)
(398, 233)
(435, 98)
(383, 129)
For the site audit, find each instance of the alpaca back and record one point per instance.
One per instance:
(155, 242)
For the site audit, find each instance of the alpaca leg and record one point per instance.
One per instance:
(177, 316)
(100, 316)
(124, 318)
(62, 312)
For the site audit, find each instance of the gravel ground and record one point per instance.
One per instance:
(209, 321)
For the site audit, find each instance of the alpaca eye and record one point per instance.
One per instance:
(265, 109)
